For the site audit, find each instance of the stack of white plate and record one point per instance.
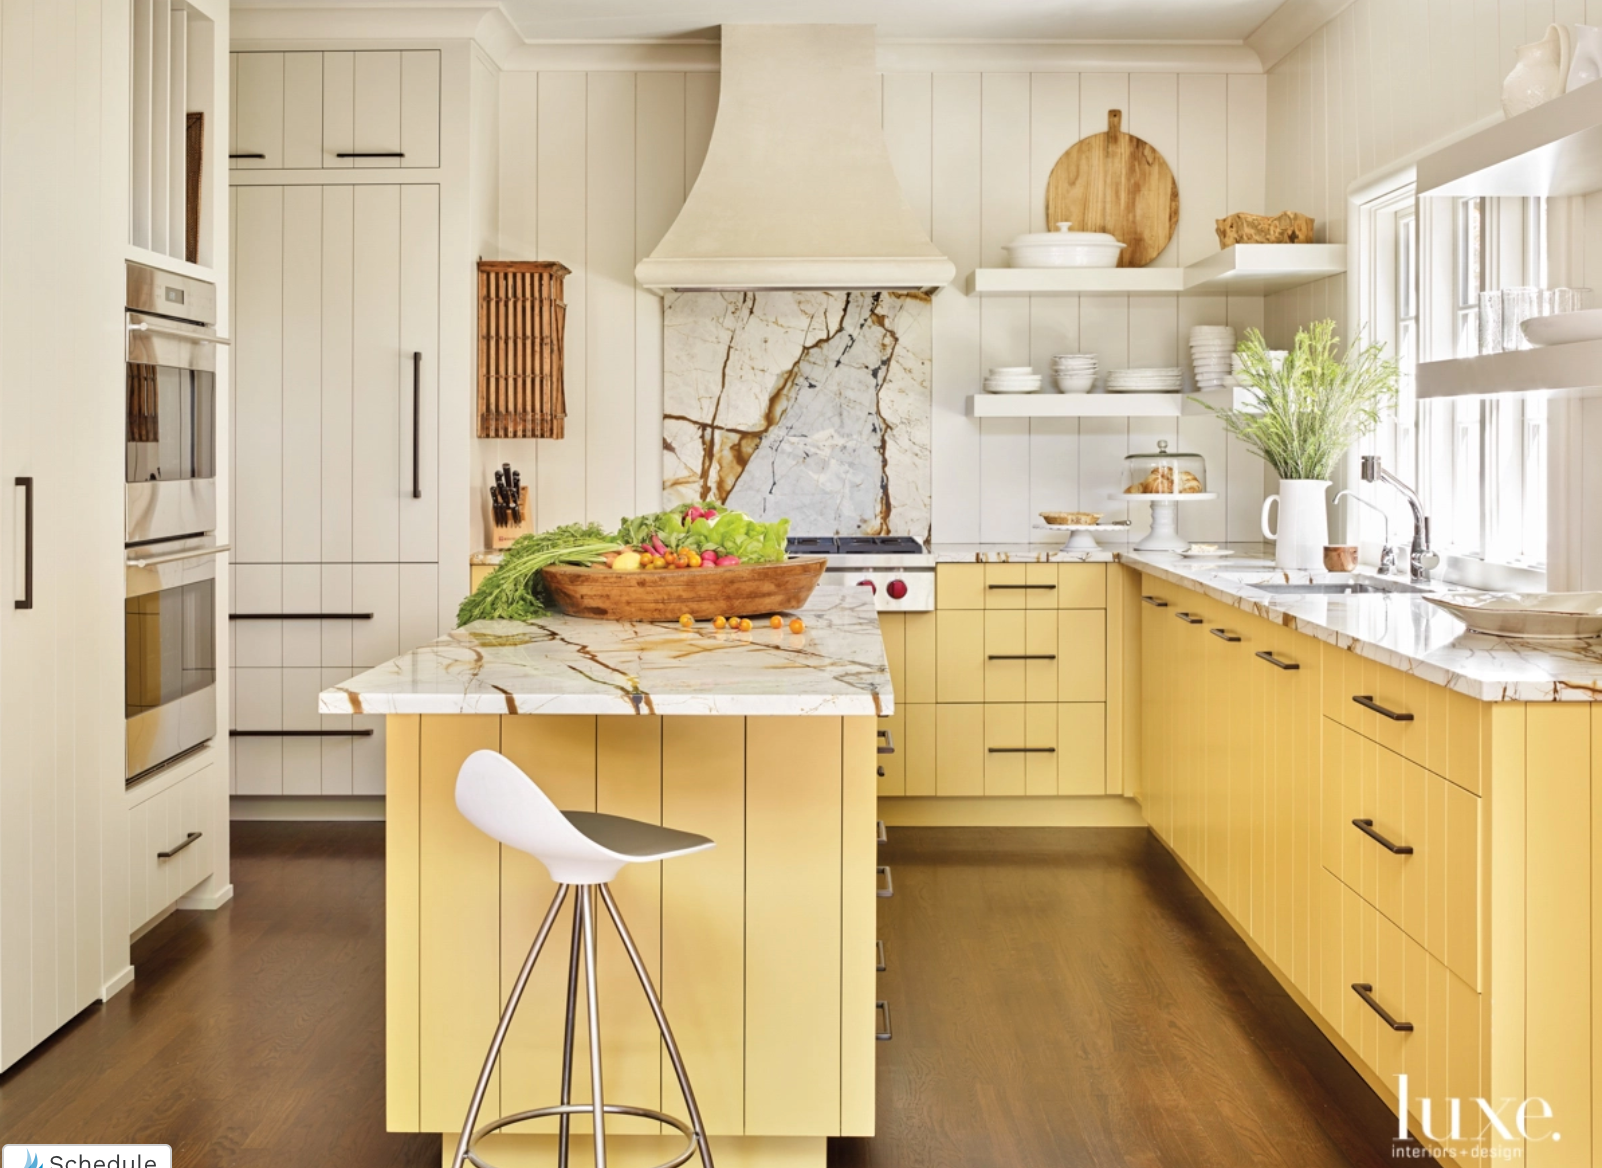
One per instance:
(1211, 346)
(1145, 380)
(1013, 379)
(1074, 372)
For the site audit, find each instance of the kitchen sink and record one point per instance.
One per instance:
(1337, 588)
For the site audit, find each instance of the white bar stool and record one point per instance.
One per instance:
(583, 851)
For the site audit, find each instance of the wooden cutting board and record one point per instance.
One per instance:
(1117, 183)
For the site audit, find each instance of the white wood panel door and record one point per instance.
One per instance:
(258, 113)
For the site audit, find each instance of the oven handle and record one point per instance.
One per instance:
(204, 337)
(174, 557)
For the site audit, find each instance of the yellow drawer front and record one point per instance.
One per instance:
(920, 657)
(916, 748)
(1081, 748)
(1045, 585)
(1081, 585)
(892, 768)
(1430, 892)
(1081, 655)
(893, 628)
(1006, 647)
(960, 655)
(959, 586)
(1020, 749)
(960, 749)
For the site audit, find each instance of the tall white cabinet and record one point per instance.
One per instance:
(336, 403)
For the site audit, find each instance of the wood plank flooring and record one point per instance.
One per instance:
(1066, 996)
(1061, 997)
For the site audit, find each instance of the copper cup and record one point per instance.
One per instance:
(1340, 559)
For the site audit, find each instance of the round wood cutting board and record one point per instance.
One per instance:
(1117, 183)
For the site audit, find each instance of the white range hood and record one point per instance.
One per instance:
(797, 190)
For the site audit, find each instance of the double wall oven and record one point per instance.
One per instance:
(170, 519)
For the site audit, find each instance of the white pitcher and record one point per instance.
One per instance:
(1303, 524)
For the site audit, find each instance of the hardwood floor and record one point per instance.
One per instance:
(1065, 996)
(251, 1036)
(1061, 997)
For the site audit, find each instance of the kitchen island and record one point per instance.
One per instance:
(762, 948)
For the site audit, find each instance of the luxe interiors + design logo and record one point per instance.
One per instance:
(86, 1156)
(1484, 1123)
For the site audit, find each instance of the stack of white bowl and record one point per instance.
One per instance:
(1074, 372)
(1211, 347)
(1161, 380)
(1013, 379)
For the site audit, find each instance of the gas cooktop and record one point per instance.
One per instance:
(853, 545)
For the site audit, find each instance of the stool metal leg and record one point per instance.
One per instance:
(566, 1122)
(587, 904)
(506, 1021)
(696, 1126)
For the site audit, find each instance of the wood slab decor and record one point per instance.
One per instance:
(743, 590)
(1244, 227)
(1117, 183)
(520, 324)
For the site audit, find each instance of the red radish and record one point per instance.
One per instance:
(728, 561)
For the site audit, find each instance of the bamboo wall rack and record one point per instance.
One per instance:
(521, 317)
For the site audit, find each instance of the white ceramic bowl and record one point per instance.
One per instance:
(1075, 382)
(1063, 248)
(1563, 328)
(1533, 616)
(1012, 371)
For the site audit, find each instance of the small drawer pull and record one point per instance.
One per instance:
(1047, 587)
(1368, 703)
(263, 156)
(370, 154)
(1269, 657)
(889, 746)
(1366, 826)
(1366, 992)
(1155, 602)
(1189, 618)
(1225, 635)
(1022, 657)
(880, 835)
(171, 852)
(889, 889)
(878, 957)
(1022, 749)
(883, 1034)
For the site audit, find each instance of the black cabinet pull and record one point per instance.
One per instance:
(1366, 992)
(173, 851)
(1003, 587)
(1022, 657)
(1225, 635)
(1366, 826)
(300, 616)
(1268, 656)
(26, 483)
(1368, 703)
(417, 425)
(370, 154)
(889, 746)
(1155, 602)
(262, 156)
(300, 733)
(1189, 618)
(1022, 749)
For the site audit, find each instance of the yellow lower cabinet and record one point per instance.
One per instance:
(1081, 748)
(1004, 661)
(916, 747)
(960, 749)
(893, 767)
(920, 658)
(959, 586)
(1020, 749)
(476, 574)
(960, 655)
(893, 630)
(1081, 654)
(1081, 586)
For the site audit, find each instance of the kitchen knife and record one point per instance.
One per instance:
(517, 498)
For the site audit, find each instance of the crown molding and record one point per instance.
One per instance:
(1289, 25)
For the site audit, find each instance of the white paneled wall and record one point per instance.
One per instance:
(594, 166)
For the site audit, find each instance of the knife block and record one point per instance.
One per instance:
(505, 537)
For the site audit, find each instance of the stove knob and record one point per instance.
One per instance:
(869, 585)
(896, 588)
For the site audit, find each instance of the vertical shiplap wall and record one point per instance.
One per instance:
(594, 167)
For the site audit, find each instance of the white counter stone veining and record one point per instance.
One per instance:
(1400, 630)
(568, 665)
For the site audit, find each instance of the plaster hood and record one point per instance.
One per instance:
(797, 190)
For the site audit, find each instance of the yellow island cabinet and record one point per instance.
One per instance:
(762, 948)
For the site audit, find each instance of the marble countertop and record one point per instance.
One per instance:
(568, 665)
(1401, 630)
(1047, 551)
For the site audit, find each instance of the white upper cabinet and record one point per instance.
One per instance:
(336, 110)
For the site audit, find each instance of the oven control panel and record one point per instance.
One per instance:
(894, 589)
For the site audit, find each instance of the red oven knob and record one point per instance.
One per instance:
(896, 588)
(869, 585)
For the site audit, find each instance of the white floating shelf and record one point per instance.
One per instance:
(1554, 149)
(1575, 368)
(1247, 269)
(1103, 405)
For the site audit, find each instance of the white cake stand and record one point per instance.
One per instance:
(1082, 536)
(1164, 535)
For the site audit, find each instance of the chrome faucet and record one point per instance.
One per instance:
(1388, 550)
(1421, 560)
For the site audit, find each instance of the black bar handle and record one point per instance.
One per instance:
(1189, 618)
(1155, 602)
(1368, 703)
(370, 154)
(1366, 826)
(1366, 992)
(262, 156)
(1047, 587)
(26, 483)
(1225, 635)
(889, 746)
(300, 733)
(173, 851)
(1022, 657)
(300, 616)
(417, 425)
(1268, 656)
(1022, 749)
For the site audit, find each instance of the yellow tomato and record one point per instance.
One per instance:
(796, 625)
(776, 621)
(686, 620)
(719, 623)
(745, 624)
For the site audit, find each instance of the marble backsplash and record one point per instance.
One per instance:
(811, 405)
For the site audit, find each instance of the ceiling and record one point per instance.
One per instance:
(990, 20)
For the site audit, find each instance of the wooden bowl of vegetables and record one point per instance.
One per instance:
(703, 593)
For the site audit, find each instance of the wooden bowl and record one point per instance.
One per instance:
(743, 590)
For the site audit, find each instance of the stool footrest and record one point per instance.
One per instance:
(561, 1109)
